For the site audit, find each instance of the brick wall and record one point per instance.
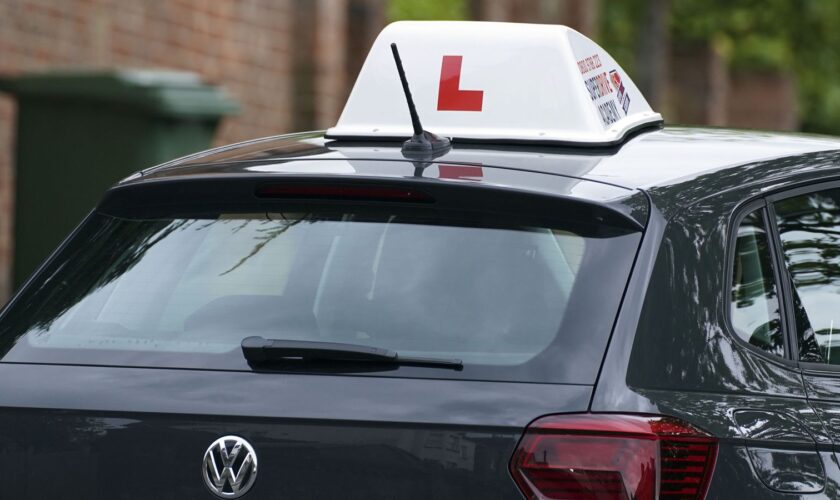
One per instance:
(698, 86)
(762, 99)
(245, 45)
(704, 90)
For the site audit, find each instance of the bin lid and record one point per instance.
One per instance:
(163, 92)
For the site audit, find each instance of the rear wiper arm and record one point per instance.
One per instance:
(259, 350)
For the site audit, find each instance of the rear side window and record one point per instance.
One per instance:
(809, 227)
(185, 291)
(754, 294)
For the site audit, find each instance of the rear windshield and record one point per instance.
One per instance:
(513, 302)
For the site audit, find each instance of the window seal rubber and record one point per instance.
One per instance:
(784, 281)
(738, 216)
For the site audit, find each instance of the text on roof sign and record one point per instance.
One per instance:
(601, 86)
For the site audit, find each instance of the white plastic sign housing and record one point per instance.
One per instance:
(501, 82)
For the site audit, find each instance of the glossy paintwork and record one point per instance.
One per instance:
(418, 401)
(792, 468)
(626, 200)
(682, 268)
(775, 426)
(653, 159)
(297, 459)
(108, 430)
(735, 478)
(317, 436)
(823, 389)
(788, 471)
(382, 438)
(553, 184)
(672, 352)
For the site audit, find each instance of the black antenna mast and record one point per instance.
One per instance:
(422, 143)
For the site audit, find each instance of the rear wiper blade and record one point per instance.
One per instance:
(260, 350)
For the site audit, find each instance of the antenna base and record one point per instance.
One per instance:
(425, 144)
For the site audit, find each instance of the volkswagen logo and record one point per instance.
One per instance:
(230, 467)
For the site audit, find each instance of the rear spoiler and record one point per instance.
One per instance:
(184, 196)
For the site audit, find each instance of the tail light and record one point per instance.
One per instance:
(333, 192)
(613, 457)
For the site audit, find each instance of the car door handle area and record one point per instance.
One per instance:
(783, 453)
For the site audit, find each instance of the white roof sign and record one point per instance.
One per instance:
(494, 82)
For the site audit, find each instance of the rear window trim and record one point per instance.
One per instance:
(738, 216)
(404, 371)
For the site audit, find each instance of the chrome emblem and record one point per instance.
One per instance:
(230, 467)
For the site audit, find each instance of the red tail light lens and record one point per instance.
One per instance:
(371, 193)
(613, 457)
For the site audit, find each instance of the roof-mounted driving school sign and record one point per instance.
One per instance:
(495, 82)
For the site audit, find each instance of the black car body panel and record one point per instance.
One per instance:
(704, 374)
(129, 432)
(139, 433)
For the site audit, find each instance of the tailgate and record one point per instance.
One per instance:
(123, 433)
(122, 359)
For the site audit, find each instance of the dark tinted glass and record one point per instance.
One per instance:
(809, 226)
(184, 292)
(755, 300)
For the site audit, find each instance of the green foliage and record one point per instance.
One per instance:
(427, 10)
(749, 33)
(620, 25)
(816, 43)
(798, 36)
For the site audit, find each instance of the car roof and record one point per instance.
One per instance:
(673, 165)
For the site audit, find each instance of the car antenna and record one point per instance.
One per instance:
(423, 144)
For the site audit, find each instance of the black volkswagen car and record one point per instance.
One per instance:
(599, 310)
